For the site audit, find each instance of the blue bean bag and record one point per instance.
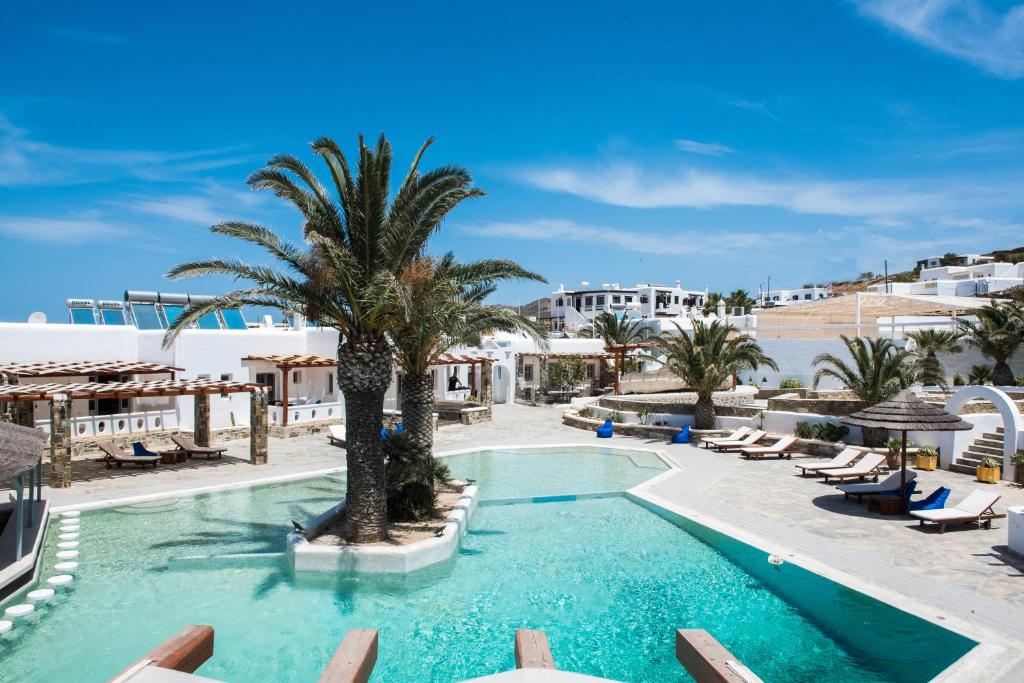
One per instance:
(384, 434)
(605, 430)
(399, 428)
(682, 436)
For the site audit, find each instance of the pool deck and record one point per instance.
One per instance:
(965, 578)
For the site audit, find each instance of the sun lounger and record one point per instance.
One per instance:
(889, 485)
(186, 444)
(115, 456)
(865, 467)
(735, 436)
(336, 435)
(781, 448)
(749, 440)
(893, 503)
(976, 507)
(845, 458)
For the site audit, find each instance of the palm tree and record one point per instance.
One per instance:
(711, 303)
(615, 332)
(739, 298)
(446, 309)
(359, 243)
(879, 372)
(997, 334)
(707, 358)
(980, 374)
(928, 343)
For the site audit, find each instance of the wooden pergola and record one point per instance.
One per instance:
(60, 397)
(484, 375)
(86, 368)
(620, 351)
(287, 363)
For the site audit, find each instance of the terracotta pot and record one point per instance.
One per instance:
(989, 475)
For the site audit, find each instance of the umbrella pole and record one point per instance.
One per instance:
(903, 471)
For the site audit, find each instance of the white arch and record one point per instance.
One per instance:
(1013, 423)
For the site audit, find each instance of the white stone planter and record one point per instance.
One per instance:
(382, 559)
(1015, 523)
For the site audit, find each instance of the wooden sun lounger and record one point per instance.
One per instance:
(115, 456)
(749, 440)
(186, 444)
(184, 652)
(977, 507)
(336, 435)
(868, 466)
(783, 448)
(890, 484)
(735, 436)
(708, 661)
(844, 459)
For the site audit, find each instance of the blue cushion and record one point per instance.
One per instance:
(936, 500)
(384, 433)
(139, 449)
(399, 428)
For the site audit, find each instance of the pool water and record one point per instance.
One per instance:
(606, 579)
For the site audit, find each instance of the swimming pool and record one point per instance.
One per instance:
(608, 580)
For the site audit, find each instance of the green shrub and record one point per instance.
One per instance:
(412, 477)
(641, 414)
(804, 430)
(585, 412)
(830, 431)
(989, 461)
(1020, 380)
(928, 450)
(791, 383)
(958, 380)
(615, 417)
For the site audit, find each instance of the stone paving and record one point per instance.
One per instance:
(967, 572)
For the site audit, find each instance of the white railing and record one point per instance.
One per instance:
(313, 412)
(120, 423)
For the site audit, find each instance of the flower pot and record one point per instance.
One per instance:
(989, 475)
(926, 461)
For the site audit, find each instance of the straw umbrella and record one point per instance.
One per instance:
(905, 412)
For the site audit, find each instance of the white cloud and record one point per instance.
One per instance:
(710, 149)
(25, 161)
(211, 204)
(965, 29)
(63, 230)
(625, 184)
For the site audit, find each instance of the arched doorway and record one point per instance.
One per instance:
(1013, 422)
(499, 390)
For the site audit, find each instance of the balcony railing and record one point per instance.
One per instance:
(312, 412)
(93, 426)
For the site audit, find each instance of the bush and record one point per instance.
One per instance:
(830, 431)
(958, 380)
(615, 417)
(791, 383)
(805, 430)
(1020, 380)
(928, 450)
(989, 461)
(585, 412)
(412, 477)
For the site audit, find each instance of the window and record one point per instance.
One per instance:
(296, 376)
(676, 300)
(589, 302)
(226, 377)
(590, 371)
(528, 372)
(330, 382)
(205, 375)
(643, 299)
(616, 299)
(807, 296)
(629, 298)
(600, 301)
(558, 302)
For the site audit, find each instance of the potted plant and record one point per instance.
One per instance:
(988, 470)
(893, 448)
(1018, 462)
(641, 414)
(927, 458)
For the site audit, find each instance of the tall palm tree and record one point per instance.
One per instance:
(879, 372)
(615, 331)
(706, 359)
(711, 303)
(997, 334)
(359, 242)
(739, 298)
(446, 309)
(928, 343)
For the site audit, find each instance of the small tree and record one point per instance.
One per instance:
(567, 373)
(928, 343)
(997, 334)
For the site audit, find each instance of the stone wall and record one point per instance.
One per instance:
(778, 393)
(470, 416)
(684, 405)
(837, 407)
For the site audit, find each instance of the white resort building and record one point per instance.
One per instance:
(979, 277)
(573, 310)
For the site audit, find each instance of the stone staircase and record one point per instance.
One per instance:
(988, 444)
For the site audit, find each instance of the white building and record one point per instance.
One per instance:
(960, 260)
(982, 278)
(572, 310)
(786, 297)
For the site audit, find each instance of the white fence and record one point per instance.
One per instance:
(314, 412)
(118, 424)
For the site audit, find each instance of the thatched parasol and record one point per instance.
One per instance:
(907, 413)
(20, 448)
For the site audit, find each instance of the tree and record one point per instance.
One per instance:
(359, 243)
(446, 308)
(707, 358)
(980, 374)
(927, 343)
(711, 303)
(614, 331)
(997, 334)
(739, 298)
(950, 259)
(879, 372)
(567, 372)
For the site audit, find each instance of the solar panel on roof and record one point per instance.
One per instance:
(233, 319)
(172, 312)
(112, 316)
(146, 317)
(209, 322)
(82, 316)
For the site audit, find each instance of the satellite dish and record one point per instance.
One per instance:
(37, 318)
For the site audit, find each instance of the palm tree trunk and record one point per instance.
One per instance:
(874, 436)
(364, 374)
(1002, 375)
(704, 413)
(418, 410)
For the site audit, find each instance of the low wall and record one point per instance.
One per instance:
(572, 419)
(830, 406)
(776, 393)
(472, 416)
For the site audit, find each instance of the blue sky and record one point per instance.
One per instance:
(714, 143)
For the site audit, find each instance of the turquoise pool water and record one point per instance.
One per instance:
(608, 580)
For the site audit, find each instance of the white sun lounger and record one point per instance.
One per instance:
(977, 507)
(735, 436)
(865, 467)
(751, 439)
(890, 484)
(843, 459)
(781, 448)
(337, 435)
